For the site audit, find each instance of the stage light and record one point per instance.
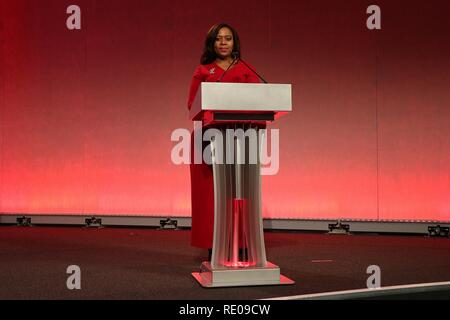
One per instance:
(94, 222)
(168, 224)
(24, 221)
(339, 228)
(438, 231)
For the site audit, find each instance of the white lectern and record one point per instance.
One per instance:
(238, 112)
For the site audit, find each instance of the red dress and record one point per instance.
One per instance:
(202, 187)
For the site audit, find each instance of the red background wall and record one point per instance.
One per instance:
(86, 116)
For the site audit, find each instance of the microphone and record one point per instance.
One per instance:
(235, 56)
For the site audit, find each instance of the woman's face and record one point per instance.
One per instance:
(224, 43)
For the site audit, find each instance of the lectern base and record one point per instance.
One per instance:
(236, 277)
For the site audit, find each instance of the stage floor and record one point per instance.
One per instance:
(124, 263)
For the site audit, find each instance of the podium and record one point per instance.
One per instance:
(238, 114)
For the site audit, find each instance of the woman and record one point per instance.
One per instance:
(219, 62)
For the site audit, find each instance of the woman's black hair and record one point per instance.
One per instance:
(209, 54)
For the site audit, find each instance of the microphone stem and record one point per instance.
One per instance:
(251, 69)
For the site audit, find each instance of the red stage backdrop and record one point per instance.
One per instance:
(86, 115)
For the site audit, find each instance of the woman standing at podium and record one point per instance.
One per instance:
(220, 62)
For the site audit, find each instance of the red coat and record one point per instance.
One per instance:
(202, 183)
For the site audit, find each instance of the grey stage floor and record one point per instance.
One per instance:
(120, 263)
